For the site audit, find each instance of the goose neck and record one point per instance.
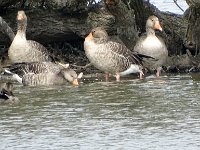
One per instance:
(150, 31)
(21, 28)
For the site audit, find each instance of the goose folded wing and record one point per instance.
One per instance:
(33, 67)
(40, 49)
(122, 51)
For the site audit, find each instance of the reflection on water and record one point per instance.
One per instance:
(151, 114)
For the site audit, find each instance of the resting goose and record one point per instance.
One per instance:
(111, 57)
(23, 50)
(152, 45)
(43, 73)
(6, 94)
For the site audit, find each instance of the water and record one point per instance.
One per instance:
(169, 5)
(154, 114)
(151, 114)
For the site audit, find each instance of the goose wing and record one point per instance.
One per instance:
(34, 68)
(40, 50)
(121, 51)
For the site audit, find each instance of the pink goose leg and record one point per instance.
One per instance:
(107, 76)
(141, 74)
(117, 77)
(158, 71)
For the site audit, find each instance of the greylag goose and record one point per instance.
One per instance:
(152, 45)
(43, 73)
(6, 94)
(23, 50)
(111, 57)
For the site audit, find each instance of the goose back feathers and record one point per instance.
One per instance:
(43, 73)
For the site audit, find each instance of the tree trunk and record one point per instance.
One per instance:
(192, 40)
(7, 3)
(70, 20)
(53, 26)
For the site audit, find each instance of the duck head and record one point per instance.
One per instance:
(153, 23)
(6, 95)
(98, 35)
(7, 88)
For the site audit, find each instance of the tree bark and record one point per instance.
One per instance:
(7, 3)
(70, 20)
(192, 39)
(49, 27)
(7, 28)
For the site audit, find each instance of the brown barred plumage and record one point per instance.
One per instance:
(109, 56)
(44, 73)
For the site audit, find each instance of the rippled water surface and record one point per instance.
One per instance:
(151, 114)
(132, 114)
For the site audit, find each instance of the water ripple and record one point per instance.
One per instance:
(145, 114)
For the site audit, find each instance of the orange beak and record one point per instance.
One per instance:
(75, 82)
(89, 37)
(157, 26)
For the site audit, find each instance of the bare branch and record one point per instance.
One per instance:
(175, 1)
(6, 29)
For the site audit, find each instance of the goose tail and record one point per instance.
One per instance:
(15, 76)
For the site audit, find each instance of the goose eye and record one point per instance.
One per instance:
(93, 32)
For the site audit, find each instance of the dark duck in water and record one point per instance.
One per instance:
(6, 94)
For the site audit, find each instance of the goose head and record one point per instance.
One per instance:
(71, 76)
(153, 23)
(21, 20)
(97, 35)
(21, 16)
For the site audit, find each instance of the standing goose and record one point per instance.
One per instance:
(152, 45)
(109, 56)
(43, 73)
(23, 50)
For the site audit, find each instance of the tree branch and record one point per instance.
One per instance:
(175, 1)
(6, 29)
